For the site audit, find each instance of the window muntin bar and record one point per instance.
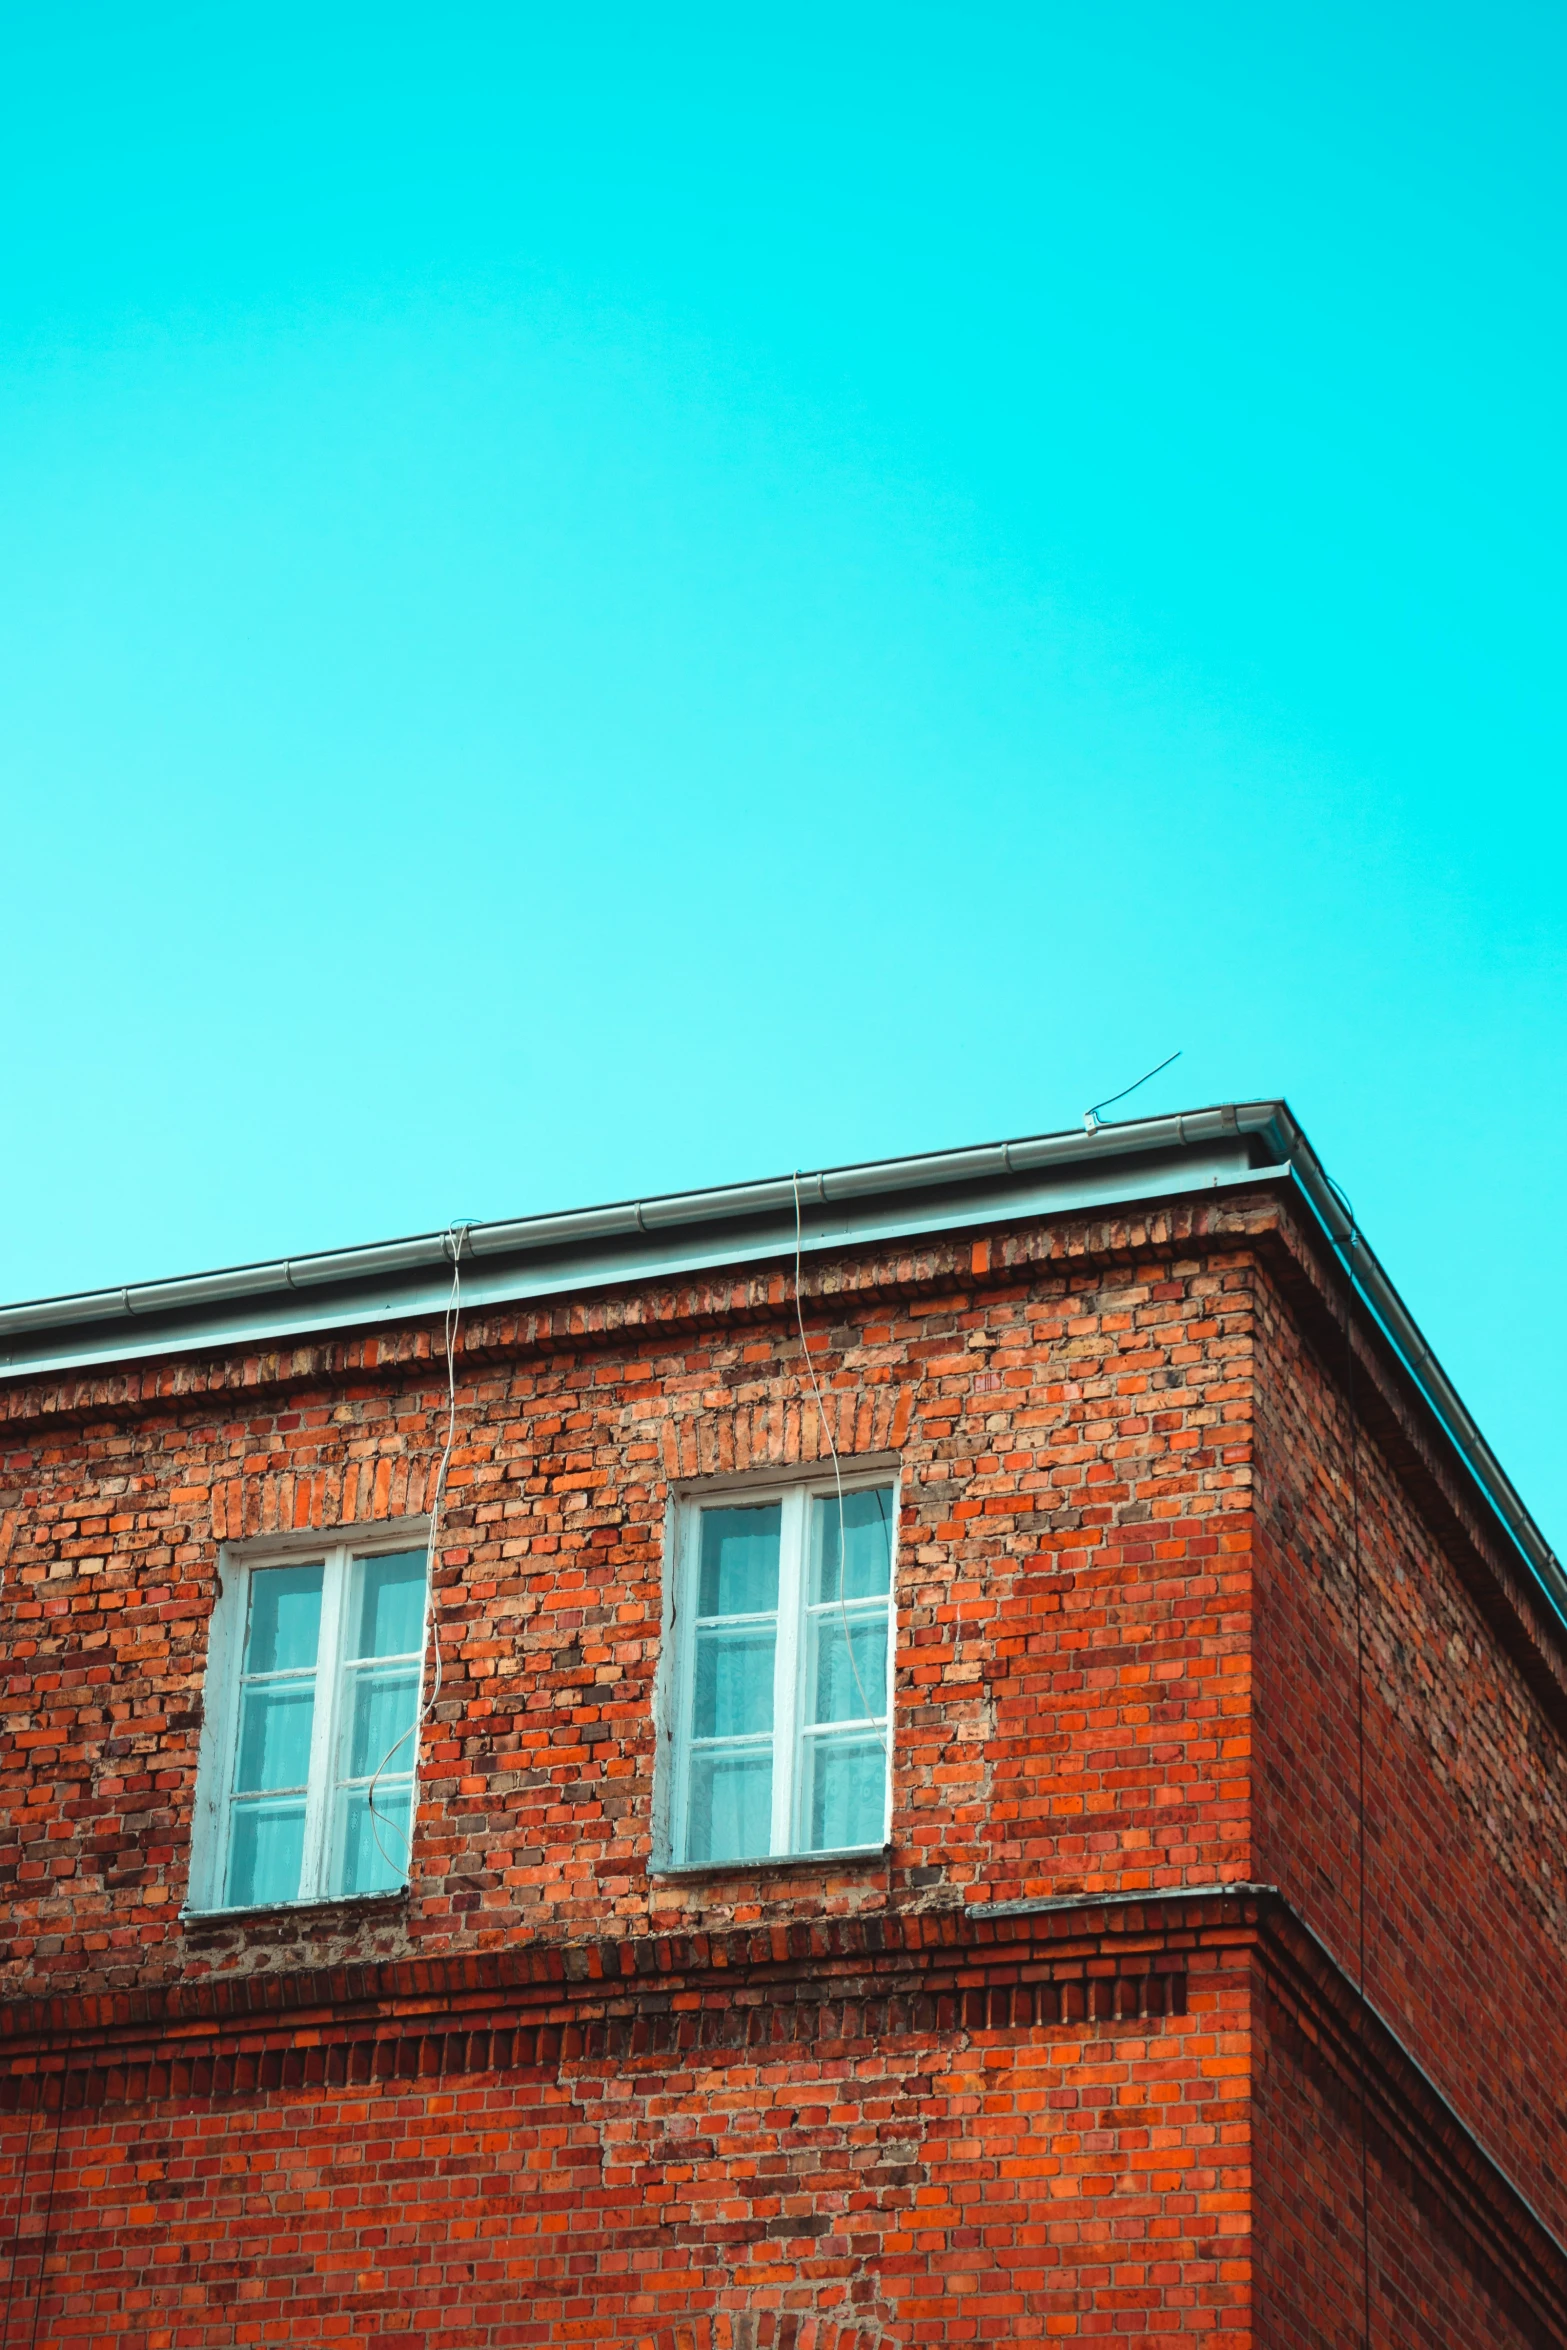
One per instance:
(318, 1759)
(783, 1674)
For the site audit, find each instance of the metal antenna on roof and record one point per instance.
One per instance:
(1092, 1119)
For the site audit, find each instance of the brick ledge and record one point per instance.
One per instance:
(1072, 1964)
(940, 1954)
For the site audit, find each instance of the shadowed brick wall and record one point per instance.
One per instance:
(1466, 1758)
(1426, 2293)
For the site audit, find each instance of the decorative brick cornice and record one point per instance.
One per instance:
(694, 1998)
(689, 1996)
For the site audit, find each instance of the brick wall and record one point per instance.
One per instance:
(1465, 1760)
(1113, 1681)
(1425, 2292)
(904, 2161)
(1072, 1658)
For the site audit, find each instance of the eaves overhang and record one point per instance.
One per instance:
(677, 1233)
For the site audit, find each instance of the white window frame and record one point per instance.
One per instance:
(237, 1562)
(796, 1492)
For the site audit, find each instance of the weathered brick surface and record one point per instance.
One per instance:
(1465, 1770)
(958, 2188)
(1115, 1677)
(1072, 1658)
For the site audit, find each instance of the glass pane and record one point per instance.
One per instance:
(274, 1734)
(285, 1619)
(853, 1561)
(373, 1845)
(848, 1680)
(734, 1683)
(731, 1806)
(388, 1605)
(266, 1847)
(739, 1575)
(847, 1802)
(382, 1705)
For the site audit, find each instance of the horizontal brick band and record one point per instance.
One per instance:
(1136, 1937)
(100, 2076)
(844, 1982)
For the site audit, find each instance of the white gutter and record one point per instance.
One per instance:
(1403, 1333)
(662, 1213)
(535, 1256)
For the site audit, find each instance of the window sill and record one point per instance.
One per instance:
(353, 1902)
(770, 1864)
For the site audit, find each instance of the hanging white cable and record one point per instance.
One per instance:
(837, 1470)
(456, 1234)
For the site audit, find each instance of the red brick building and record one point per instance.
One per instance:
(1039, 1814)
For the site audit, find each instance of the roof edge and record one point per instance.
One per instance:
(658, 1212)
(1266, 1131)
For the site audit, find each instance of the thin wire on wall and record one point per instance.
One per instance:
(16, 2232)
(455, 1237)
(870, 1714)
(54, 2167)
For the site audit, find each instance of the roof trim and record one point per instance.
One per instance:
(661, 1212)
(684, 1232)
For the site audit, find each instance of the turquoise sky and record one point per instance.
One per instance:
(602, 600)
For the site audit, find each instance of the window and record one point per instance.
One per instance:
(781, 1676)
(313, 1702)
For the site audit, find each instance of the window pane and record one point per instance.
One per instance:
(266, 1847)
(374, 1845)
(731, 1806)
(853, 1561)
(382, 1705)
(847, 1800)
(274, 1735)
(388, 1605)
(285, 1619)
(847, 1683)
(734, 1682)
(739, 1574)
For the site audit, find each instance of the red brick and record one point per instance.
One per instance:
(1127, 1666)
